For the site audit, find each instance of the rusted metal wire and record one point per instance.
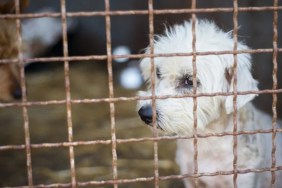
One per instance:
(195, 119)
(68, 93)
(111, 91)
(235, 78)
(149, 179)
(135, 98)
(274, 96)
(154, 109)
(132, 140)
(141, 12)
(132, 56)
(24, 98)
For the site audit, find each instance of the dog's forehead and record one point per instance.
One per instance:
(184, 65)
(174, 64)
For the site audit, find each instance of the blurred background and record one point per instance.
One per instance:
(89, 79)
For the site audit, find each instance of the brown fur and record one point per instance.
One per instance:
(9, 73)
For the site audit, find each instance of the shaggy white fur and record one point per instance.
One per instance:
(214, 114)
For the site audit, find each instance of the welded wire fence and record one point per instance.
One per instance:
(112, 100)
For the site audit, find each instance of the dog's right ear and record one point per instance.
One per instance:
(8, 7)
(245, 82)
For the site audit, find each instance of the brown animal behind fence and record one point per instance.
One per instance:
(9, 49)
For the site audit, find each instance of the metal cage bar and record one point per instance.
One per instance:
(111, 92)
(274, 96)
(24, 98)
(152, 62)
(195, 118)
(68, 93)
(132, 56)
(235, 72)
(143, 12)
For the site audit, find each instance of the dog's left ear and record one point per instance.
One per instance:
(245, 82)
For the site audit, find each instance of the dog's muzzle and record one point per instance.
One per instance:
(146, 114)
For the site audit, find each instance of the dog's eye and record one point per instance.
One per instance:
(188, 81)
(158, 73)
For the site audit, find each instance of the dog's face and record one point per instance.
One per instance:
(174, 76)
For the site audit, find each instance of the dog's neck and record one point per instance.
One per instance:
(225, 121)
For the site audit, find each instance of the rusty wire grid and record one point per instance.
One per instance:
(111, 100)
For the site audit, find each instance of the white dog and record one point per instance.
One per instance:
(173, 76)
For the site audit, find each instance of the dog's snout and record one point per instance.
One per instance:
(17, 93)
(146, 114)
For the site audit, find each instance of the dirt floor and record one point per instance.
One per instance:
(90, 122)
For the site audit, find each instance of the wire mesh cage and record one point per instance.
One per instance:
(25, 149)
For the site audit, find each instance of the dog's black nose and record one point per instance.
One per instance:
(146, 114)
(17, 93)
